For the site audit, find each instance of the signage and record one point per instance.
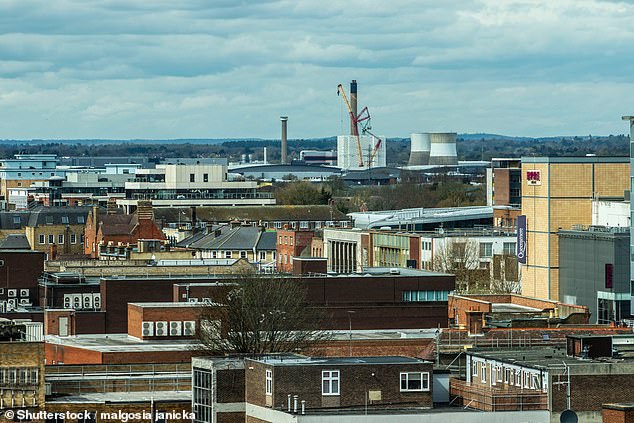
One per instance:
(521, 239)
(534, 177)
(609, 275)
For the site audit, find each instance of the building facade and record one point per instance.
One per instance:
(291, 243)
(557, 193)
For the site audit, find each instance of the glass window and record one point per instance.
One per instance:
(16, 220)
(509, 248)
(192, 177)
(243, 254)
(42, 239)
(73, 239)
(414, 381)
(486, 249)
(64, 219)
(205, 177)
(51, 239)
(269, 382)
(80, 219)
(49, 220)
(262, 255)
(60, 238)
(227, 254)
(330, 382)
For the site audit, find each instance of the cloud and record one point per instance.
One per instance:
(194, 68)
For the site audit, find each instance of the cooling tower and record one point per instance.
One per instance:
(443, 148)
(419, 152)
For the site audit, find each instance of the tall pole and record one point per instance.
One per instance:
(350, 332)
(283, 153)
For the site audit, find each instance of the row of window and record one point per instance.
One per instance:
(242, 254)
(287, 239)
(500, 374)
(19, 376)
(418, 296)
(60, 238)
(331, 382)
(192, 177)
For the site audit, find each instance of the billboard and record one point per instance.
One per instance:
(521, 239)
(534, 177)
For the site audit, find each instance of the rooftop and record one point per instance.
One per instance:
(297, 360)
(120, 342)
(576, 159)
(123, 397)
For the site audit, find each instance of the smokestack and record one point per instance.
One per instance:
(264, 155)
(284, 119)
(353, 103)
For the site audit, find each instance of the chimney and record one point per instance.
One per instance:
(264, 155)
(95, 214)
(144, 210)
(284, 153)
(353, 103)
(112, 206)
(193, 217)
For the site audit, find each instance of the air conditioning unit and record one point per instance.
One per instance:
(189, 328)
(12, 293)
(161, 328)
(24, 301)
(87, 298)
(176, 328)
(77, 301)
(68, 301)
(24, 293)
(11, 304)
(147, 329)
(193, 300)
(96, 301)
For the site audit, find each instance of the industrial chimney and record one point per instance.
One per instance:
(443, 149)
(353, 103)
(419, 151)
(284, 153)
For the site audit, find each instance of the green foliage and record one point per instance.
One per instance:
(301, 193)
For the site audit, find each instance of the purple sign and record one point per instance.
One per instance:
(521, 239)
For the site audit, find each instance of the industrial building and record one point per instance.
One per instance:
(424, 219)
(348, 152)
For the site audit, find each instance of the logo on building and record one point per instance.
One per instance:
(521, 239)
(534, 177)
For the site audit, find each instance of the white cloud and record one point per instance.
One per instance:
(164, 69)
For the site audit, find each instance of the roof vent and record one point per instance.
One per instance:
(395, 271)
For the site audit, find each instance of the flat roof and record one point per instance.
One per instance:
(512, 308)
(120, 342)
(332, 361)
(123, 397)
(577, 159)
(168, 305)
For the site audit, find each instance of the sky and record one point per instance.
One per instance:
(162, 69)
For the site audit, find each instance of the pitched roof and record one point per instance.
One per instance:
(267, 241)
(58, 216)
(238, 238)
(267, 213)
(117, 224)
(202, 238)
(15, 242)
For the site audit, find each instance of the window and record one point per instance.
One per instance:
(269, 382)
(509, 248)
(80, 219)
(42, 239)
(280, 239)
(484, 372)
(60, 238)
(192, 177)
(227, 254)
(64, 219)
(205, 177)
(81, 238)
(243, 254)
(49, 220)
(51, 239)
(285, 240)
(291, 239)
(262, 255)
(330, 382)
(16, 220)
(414, 381)
(73, 239)
(486, 249)
(274, 255)
(214, 254)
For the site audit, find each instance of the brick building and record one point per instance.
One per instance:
(21, 369)
(270, 388)
(291, 243)
(114, 227)
(57, 231)
(19, 274)
(539, 378)
(557, 193)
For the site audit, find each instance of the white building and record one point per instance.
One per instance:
(611, 213)
(348, 152)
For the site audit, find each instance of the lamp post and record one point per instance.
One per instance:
(350, 313)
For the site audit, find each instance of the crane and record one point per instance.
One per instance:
(376, 146)
(363, 116)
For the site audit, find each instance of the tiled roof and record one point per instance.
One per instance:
(267, 241)
(15, 242)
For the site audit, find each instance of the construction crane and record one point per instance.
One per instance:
(361, 117)
(376, 146)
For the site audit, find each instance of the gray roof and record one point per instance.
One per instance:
(14, 219)
(238, 238)
(295, 360)
(15, 242)
(267, 241)
(58, 216)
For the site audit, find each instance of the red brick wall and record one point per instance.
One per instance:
(614, 415)
(458, 306)
(139, 314)
(301, 240)
(419, 348)
(51, 321)
(57, 354)
(21, 270)
(589, 392)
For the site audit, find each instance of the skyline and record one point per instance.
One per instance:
(116, 69)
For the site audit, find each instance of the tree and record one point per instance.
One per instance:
(260, 314)
(461, 257)
(301, 193)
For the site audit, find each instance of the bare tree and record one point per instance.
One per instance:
(260, 314)
(461, 257)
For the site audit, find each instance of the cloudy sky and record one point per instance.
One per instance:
(230, 68)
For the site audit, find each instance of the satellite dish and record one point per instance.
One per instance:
(568, 416)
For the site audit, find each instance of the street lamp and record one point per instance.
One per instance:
(350, 313)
